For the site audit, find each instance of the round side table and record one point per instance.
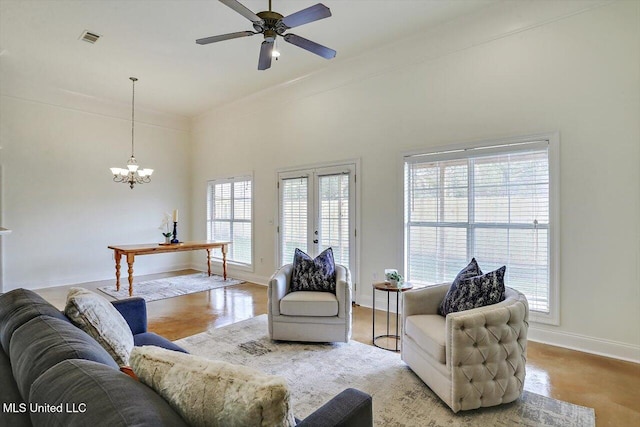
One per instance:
(389, 289)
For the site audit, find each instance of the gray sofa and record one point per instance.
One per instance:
(54, 374)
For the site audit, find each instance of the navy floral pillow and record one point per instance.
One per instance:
(478, 291)
(471, 270)
(310, 274)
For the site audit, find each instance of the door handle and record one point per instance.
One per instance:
(315, 241)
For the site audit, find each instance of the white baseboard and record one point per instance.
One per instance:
(599, 346)
(231, 272)
(381, 301)
(84, 278)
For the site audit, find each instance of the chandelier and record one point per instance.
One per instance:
(132, 174)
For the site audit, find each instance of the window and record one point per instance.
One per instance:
(229, 217)
(490, 202)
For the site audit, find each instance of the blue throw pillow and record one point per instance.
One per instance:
(471, 270)
(310, 274)
(478, 291)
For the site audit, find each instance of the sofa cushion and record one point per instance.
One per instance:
(471, 270)
(111, 398)
(310, 274)
(45, 341)
(478, 291)
(212, 392)
(305, 303)
(95, 315)
(17, 308)
(17, 416)
(149, 338)
(429, 332)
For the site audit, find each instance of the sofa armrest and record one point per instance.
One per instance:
(424, 300)
(343, 291)
(134, 311)
(351, 408)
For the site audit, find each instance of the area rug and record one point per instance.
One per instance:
(169, 287)
(317, 372)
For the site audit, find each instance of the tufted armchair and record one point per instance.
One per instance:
(309, 316)
(471, 358)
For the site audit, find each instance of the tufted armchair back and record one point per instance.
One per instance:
(484, 348)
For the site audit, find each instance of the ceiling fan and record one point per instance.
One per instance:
(273, 24)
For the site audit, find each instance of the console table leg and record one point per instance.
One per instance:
(224, 261)
(209, 261)
(130, 259)
(117, 256)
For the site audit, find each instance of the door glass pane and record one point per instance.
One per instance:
(333, 230)
(294, 217)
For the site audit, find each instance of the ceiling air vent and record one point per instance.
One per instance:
(89, 37)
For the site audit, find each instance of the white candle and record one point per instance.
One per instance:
(175, 215)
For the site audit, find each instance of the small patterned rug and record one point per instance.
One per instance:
(317, 372)
(169, 287)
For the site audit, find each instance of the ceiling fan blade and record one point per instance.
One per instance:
(242, 10)
(264, 62)
(222, 37)
(304, 16)
(312, 47)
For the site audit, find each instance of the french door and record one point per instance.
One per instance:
(317, 211)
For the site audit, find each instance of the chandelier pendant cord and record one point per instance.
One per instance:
(133, 102)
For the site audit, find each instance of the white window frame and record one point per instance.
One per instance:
(505, 145)
(238, 178)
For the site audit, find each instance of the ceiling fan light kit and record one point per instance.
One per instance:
(272, 24)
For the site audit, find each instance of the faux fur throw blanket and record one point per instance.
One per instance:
(211, 392)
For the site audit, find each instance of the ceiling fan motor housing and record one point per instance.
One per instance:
(272, 24)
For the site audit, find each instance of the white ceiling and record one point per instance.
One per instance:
(154, 40)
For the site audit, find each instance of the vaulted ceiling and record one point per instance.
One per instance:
(154, 40)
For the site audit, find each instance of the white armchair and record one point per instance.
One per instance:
(306, 315)
(472, 358)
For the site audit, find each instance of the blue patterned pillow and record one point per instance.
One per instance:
(471, 270)
(317, 274)
(478, 291)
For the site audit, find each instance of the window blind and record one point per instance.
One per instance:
(294, 218)
(491, 204)
(334, 216)
(229, 217)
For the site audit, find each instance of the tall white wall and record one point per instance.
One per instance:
(513, 69)
(58, 194)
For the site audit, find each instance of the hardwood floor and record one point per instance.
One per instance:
(610, 386)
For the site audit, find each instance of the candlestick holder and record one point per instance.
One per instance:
(175, 233)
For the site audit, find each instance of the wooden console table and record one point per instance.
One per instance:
(155, 248)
